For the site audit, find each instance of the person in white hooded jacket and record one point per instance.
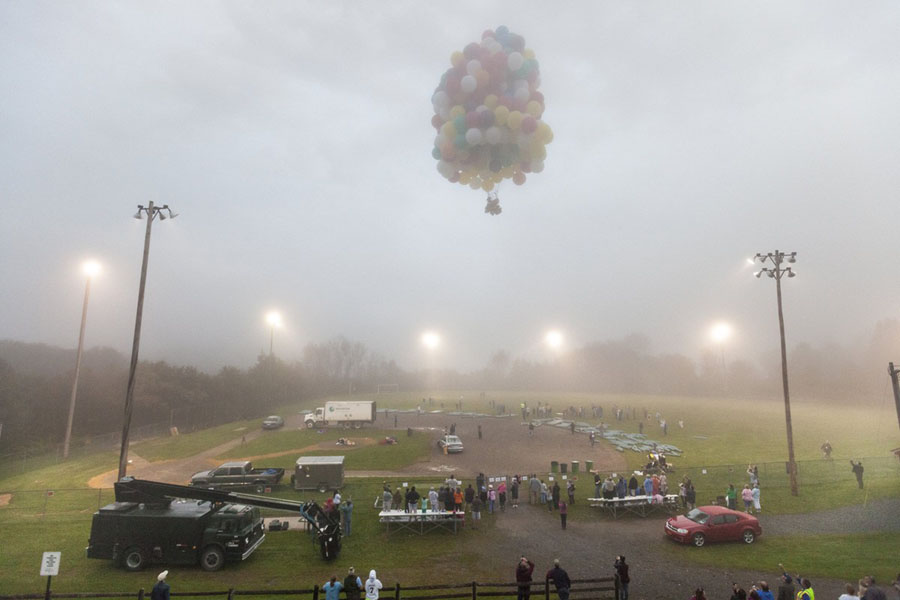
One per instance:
(372, 586)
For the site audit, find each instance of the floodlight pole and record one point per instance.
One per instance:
(776, 272)
(152, 212)
(896, 385)
(84, 309)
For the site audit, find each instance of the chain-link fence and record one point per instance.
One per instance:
(775, 474)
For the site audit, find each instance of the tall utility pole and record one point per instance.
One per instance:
(151, 212)
(776, 272)
(90, 269)
(896, 385)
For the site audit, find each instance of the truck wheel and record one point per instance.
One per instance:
(260, 487)
(212, 558)
(346, 425)
(322, 488)
(133, 559)
(310, 424)
(357, 425)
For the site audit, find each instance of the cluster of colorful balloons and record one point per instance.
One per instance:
(487, 113)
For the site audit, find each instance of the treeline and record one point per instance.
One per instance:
(36, 381)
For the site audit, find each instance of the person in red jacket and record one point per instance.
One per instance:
(523, 577)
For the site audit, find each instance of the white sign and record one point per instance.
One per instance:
(50, 563)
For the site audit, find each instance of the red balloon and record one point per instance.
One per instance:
(525, 166)
(519, 178)
(537, 96)
(454, 178)
(472, 119)
(471, 51)
(437, 121)
(452, 85)
(529, 124)
(487, 34)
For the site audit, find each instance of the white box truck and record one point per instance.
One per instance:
(346, 413)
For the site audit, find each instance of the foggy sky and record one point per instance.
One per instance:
(294, 141)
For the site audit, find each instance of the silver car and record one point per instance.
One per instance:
(451, 443)
(273, 422)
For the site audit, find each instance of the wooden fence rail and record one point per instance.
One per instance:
(582, 589)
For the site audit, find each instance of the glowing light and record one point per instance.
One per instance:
(750, 261)
(91, 268)
(720, 332)
(431, 340)
(274, 319)
(554, 339)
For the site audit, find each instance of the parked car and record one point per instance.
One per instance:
(452, 443)
(273, 422)
(713, 524)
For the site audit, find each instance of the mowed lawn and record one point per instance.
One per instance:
(370, 453)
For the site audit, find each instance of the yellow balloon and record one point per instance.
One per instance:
(465, 177)
(487, 186)
(529, 53)
(506, 172)
(457, 58)
(457, 111)
(483, 77)
(514, 120)
(534, 108)
(490, 101)
(448, 130)
(537, 151)
(497, 178)
(501, 114)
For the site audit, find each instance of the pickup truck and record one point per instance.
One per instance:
(237, 474)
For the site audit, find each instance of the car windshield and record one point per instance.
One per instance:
(698, 516)
(452, 439)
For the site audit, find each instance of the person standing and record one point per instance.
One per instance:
(534, 489)
(545, 492)
(849, 593)
(514, 492)
(352, 585)
(398, 500)
(412, 500)
(372, 586)
(523, 578)
(857, 469)
(731, 496)
(457, 500)
(469, 496)
(624, 579)
(433, 499)
(633, 485)
(621, 487)
(333, 589)
(479, 432)
(477, 504)
(570, 491)
(492, 498)
(560, 579)
(554, 494)
(648, 486)
(690, 495)
(161, 590)
(387, 497)
(755, 493)
(763, 591)
(346, 515)
(501, 495)
(806, 592)
(593, 439)
(563, 512)
(747, 497)
(786, 589)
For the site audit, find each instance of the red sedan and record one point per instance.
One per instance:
(713, 524)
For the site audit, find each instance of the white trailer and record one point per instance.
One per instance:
(346, 413)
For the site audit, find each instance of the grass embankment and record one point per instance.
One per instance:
(189, 444)
(369, 453)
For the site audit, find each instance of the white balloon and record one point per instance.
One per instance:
(522, 94)
(475, 183)
(515, 61)
(468, 84)
(445, 113)
(481, 108)
(520, 83)
(439, 140)
(537, 166)
(473, 67)
(440, 99)
(473, 136)
(493, 135)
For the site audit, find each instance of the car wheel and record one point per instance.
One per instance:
(310, 424)
(748, 536)
(134, 559)
(699, 539)
(212, 558)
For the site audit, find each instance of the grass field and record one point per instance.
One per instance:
(720, 435)
(357, 458)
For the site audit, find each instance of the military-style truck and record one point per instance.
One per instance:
(153, 522)
(346, 413)
(237, 474)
